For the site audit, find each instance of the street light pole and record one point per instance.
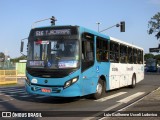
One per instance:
(121, 25)
(39, 21)
(117, 25)
(98, 23)
(53, 19)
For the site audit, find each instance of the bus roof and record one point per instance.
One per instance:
(125, 43)
(52, 26)
(111, 38)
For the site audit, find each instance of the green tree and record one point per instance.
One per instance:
(2, 56)
(157, 57)
(18, 58)
(147, 56)
(154, 25)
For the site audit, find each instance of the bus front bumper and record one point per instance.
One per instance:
(56, 91)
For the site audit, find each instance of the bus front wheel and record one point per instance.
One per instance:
(100, 89)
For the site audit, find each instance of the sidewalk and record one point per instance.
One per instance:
(149, 104)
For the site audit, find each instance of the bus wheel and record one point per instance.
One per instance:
(133, 85)
(99, 90)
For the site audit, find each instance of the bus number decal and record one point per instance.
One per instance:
(115, 69)
(46, 90)
(129, 69)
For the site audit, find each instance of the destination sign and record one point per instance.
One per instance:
(51, 32)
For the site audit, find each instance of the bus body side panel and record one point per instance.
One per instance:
(56, 85)
(91, 76)
(103, 70)
(121, 74)
(140, 72)
(89, 79)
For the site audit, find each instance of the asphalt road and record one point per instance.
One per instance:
(14, 98)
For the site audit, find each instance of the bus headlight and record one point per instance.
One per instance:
(70, 82)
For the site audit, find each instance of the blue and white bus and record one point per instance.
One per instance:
(70, 61)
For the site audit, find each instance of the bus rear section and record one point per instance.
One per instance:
(127, 66)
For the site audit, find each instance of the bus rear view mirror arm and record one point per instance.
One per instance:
(22, 46)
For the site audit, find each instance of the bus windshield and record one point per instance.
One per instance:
(53, 54)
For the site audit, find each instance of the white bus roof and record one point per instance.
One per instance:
(125, 43)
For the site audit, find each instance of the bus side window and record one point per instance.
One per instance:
(135, 56)
(123, 54)
(140, 56)
(102, 49)
(130, 55)
(114, 52)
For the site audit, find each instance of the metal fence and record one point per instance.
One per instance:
(10, 72)
(8, 77)
(7, 65)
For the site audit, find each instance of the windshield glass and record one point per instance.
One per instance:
(54, 54)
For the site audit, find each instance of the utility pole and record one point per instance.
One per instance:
(98, 23)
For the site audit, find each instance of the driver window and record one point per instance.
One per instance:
(87, 51)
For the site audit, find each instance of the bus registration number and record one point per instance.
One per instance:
(46, 90)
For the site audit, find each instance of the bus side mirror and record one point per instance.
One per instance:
(122, 26)
(22, 45)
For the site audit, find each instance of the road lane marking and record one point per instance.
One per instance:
(11, 88)
(5, 100)
(10, 95)
(131, 97)
(103, 111)
(15, 92)
(24, 93)
(25, 96)
(120, 102)
(110, 97)
(12, 91)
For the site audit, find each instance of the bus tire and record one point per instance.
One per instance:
(100, 90)
(133, 85)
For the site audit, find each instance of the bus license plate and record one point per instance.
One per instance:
(46, 90)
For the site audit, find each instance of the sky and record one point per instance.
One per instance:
(17, 17)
